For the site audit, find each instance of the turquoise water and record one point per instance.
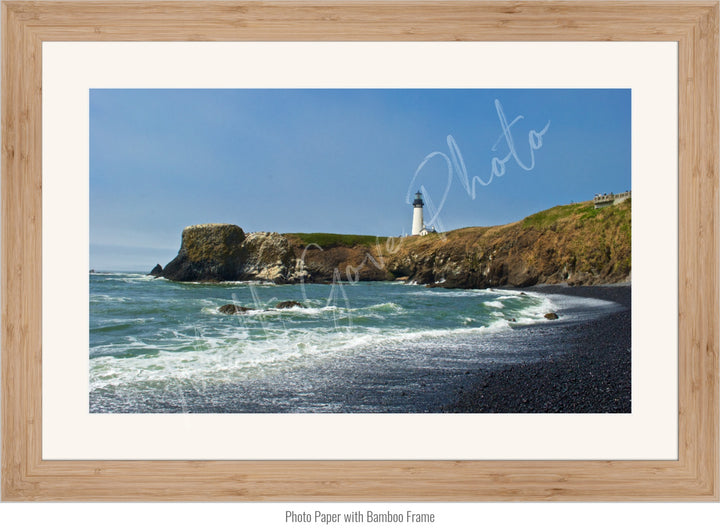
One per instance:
(161, 346)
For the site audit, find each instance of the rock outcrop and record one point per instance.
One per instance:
(329, 263)
(268, 258)
(288, 304)
(232, 309)
(157, 271)
(222, 252)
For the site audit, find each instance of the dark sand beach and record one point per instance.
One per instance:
(589, 370)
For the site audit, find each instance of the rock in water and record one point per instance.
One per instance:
(157, 271)
(231, 309)
(213, 251)
(288, 304)
(551, 316)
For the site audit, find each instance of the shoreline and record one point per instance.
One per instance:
(588, 370)
(516, 368)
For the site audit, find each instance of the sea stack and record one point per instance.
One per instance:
(157, 271)
(209, 252)
(218, 252)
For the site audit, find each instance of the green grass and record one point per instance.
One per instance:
(581, 212)
(577, 212)
(325, 239)
(547, 217)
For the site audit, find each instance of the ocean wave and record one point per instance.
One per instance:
(192, 342)
(494, 304)
(108, 298)
(254, 283)
(453, 294)
(122, 275)
(272, 312)
(115, 325)
(312, 310)
(138, 279)
(375, 309)
(389, 307)
(225, 359)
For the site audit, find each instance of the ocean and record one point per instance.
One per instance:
(158, 346)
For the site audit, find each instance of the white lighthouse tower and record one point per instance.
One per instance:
(418, 225)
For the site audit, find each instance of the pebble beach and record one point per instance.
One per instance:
(587, 371)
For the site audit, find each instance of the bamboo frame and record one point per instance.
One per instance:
(25, 476)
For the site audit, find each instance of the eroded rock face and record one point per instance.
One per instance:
(269, 257)
(571, 244)
(357, 262)
(210, 252)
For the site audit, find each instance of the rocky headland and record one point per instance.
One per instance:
(573, 244)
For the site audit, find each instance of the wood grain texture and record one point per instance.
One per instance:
(694, 476)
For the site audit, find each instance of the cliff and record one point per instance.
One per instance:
(572, 243)
(326, 257)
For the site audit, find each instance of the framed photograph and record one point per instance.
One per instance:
(334, 251)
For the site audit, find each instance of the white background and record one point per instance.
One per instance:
(525, 516)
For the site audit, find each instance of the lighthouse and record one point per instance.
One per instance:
(418, 224)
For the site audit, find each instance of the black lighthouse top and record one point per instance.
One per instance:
(418, 200)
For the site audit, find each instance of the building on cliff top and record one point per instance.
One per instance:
(604, 200)
(418, 225)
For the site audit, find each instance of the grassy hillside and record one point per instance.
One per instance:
(569, 243)
(595, 238)
(327, 240)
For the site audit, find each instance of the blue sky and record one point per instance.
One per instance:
(337, 160)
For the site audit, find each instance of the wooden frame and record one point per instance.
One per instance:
(26, 476)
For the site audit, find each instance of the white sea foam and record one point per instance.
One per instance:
(318, 310)
(254, 283)
(232, 356)
(130, 278)
(108, 298)
(390, 306)
(494, 304)
(450, 293)
(577, 308)
(199, 346)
